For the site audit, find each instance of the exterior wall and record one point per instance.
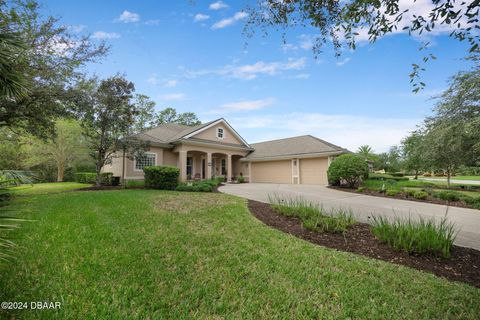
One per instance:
(116, 166)
(211, 134)
(272, 171)
(314, 171)
(240, 167)
(170, 158)
(131, 173)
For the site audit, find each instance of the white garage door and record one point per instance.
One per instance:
(272, 171)
(314, 171)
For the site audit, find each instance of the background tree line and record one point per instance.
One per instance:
(448, 140)
(54, 118)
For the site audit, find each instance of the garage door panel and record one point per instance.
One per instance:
(272, 171)
(314, 171)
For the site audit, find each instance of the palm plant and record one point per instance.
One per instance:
(365, 151)
(7, 224)
(12, 81)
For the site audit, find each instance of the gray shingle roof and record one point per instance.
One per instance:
(168, 132)
(295, 146)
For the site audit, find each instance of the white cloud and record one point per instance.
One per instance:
(229, 21)
(105, 35)
(288, 47)
(76, 28)
(152, 79)
(173, 96)
(251, 71)
(170, 83)
(200, 17)
(246, 105)
(347, 131)
(302, 76)
(128, 16)
(218, 5)
(342, 62)
(152, 22)
(167, 83)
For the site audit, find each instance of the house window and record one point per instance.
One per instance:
(220, 133)
(224, 167)
(189, 166)
(145, 160)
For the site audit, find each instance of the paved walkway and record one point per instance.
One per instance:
(363, 206)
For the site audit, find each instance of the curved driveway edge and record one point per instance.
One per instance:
(466, 220)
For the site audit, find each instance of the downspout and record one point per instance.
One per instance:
(123, 168)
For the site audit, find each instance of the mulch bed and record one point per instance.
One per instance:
(404, 196)
(463, 265)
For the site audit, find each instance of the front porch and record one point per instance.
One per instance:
(197, 164)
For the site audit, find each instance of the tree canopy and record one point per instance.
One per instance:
(48, 62)
(170, 115)
(346, 22)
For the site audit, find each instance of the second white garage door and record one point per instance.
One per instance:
(272, 171)
(314, 171)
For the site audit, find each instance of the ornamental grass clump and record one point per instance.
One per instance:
(313, 216)
(416, 236)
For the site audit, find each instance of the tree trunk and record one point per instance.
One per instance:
(60, 172)
(416, 174)
(448, 178)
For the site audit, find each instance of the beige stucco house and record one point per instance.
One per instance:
(216, 149)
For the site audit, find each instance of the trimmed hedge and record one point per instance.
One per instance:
(199, 187)
(86, 177)
(106, 178)
(161, 177)
(384, 176)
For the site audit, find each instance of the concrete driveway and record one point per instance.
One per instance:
(363, 206)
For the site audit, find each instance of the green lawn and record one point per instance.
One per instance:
(136, 254)
(44, 188)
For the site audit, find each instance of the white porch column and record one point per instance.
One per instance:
(229, 168)
(182, 163)
(209, 165)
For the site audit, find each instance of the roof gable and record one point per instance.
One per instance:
(208, 132)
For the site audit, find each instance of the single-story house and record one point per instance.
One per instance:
(215, 149)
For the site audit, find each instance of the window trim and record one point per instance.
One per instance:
(223, 133)
(135, 161)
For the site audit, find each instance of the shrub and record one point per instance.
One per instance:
(134, 183)
(448, 195)
(392, 192)
(397, 174)
(420, 195)
(161, 177)
(383, 176)
(241, 179)
(348, 168)
(106, 178)
(360, 189)
(313, 216)
(426, 174)
(86, 177)
(419, 237)
(411, 192)
(198, 187)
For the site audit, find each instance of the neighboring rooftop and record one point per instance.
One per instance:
(295, 146)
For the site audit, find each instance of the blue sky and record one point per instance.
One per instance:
(192, 56)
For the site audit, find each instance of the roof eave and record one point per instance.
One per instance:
(294, 156)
